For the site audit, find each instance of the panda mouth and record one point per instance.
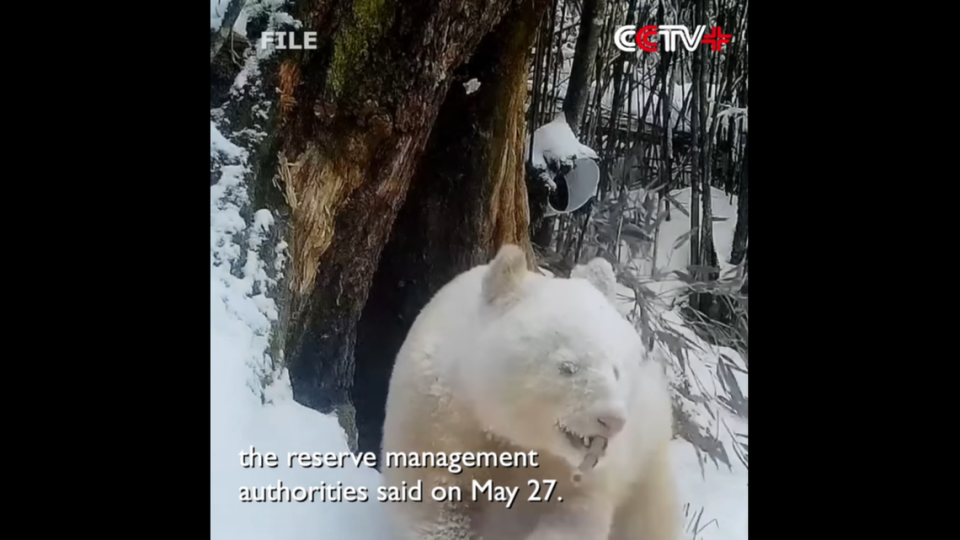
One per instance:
(580, 442)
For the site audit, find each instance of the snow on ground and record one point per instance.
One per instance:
(715, 498)
(239, 421)
(716, 490)
(724, 209)
(673, 246)
(243, 414)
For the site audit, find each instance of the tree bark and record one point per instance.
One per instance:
(354, 118)
(467, 198)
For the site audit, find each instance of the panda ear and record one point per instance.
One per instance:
(505, 275)
(599, 272)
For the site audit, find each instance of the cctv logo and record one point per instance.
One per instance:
(628, 38)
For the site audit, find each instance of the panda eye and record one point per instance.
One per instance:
(569, 368)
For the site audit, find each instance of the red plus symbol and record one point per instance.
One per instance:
(716, 38)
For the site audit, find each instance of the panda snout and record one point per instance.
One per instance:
(611, 423)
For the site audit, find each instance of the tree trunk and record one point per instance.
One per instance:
(467, 197)
(740, 233)
(666, 104)
(696, 146)
(584, 61)
(608, 182)
(708, 255)
(341, 138)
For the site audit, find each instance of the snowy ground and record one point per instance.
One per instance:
(244, 414)
(251, 403)
(673, 247)
(715, 494)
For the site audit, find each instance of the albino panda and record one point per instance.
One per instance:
(506, 360)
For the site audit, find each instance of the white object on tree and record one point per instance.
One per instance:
(581, 183)
(471, 86)
(554, 145)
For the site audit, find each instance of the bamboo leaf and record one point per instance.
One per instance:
(684, 238)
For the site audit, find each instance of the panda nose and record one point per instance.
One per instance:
(613, 424)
